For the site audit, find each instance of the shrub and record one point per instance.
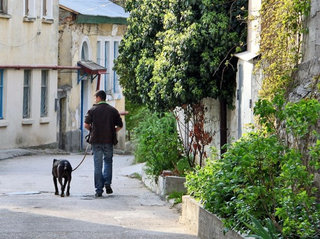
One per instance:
(157, 143)
(262, 176)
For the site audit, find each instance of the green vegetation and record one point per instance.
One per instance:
(282, 29)
(178, 52)
(263, 176)
(177, 196)
(157, 143)
(263, 232)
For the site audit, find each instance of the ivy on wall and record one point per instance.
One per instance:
(282, 29)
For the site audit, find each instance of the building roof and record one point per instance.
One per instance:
(98, 8)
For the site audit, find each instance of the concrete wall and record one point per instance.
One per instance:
(312, 39)
(164, 184)
(203, 223)
(28, 41)
(309, 70)
(71, 39)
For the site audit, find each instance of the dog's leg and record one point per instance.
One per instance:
(55, 185)
(62, 186)
(68, 187)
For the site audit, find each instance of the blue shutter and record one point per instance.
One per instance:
(115, 76)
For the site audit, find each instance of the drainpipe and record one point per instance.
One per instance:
(98, 82)
(17, 67)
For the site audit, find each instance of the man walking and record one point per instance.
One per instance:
(103, 121)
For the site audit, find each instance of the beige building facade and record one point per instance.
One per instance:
(28, 76)
(95, 37)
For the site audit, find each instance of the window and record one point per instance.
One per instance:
(1, 94)
(116, 88)
(47, 9)
(106, 65)
(26, 7)
(3, 6)
(26, 94)
(85, 52)
(44, 8)
(29, 8)
(44, 94)
(98, 52)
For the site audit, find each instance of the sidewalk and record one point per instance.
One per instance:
(30, 210)
(12, 153)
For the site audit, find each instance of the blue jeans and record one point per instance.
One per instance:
(102, 154)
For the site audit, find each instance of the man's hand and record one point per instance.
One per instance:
(87, 126)
(118, 129)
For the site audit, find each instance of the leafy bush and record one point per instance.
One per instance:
(157, 143)
(265, 177)
(261, 232)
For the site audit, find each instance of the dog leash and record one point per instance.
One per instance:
(85, 154)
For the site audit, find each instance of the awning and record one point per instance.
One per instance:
(92, 69)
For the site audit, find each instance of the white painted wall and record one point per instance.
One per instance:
(248, 84)
(28, 43)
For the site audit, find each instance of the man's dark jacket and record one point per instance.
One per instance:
(103, 118)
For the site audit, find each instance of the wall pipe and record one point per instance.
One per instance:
(17, 67)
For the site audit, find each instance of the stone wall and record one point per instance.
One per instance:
(307, 76)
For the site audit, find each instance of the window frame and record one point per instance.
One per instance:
(44, 93)
(26, 105)
(3, 6)
(98, 56)
(29, 9)
(116, 86)
(107, 86)
(47, 9)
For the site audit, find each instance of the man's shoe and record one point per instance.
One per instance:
(98, 195)
(108, 189)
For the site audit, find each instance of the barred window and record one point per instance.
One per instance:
(26, 94)
(44, 94)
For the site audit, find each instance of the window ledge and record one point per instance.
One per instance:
(29, 19)
(4, 15)
(3, 123)
(27, 121)
(44, 120)
(47, 20)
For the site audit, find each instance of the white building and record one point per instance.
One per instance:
(248, 81)
(28, 76)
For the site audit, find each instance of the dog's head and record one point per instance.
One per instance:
(55, 162)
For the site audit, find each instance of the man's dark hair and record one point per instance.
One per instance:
(101, 94)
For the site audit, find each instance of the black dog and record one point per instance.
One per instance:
(61, 169)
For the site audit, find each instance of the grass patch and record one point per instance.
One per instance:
(177, 196)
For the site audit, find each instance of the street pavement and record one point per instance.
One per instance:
(30, 210)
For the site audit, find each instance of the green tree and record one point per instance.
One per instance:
(179, 52)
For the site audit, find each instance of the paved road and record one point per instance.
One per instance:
(30, 210)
